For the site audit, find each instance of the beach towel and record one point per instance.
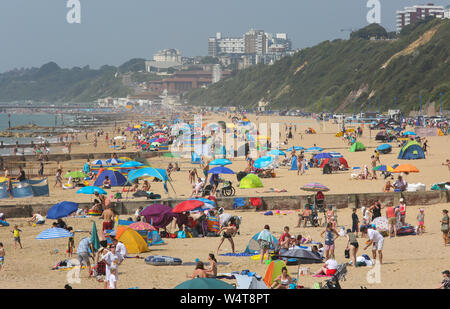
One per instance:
(213, 224)
(236, 254)
(255, 201)
(238, 202)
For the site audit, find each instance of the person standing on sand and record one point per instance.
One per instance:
(392, 220)
(16, 233)
(83, 254)
(108, 217)
(227, 232)
(2, 256)
(265, 240)
(445, 226)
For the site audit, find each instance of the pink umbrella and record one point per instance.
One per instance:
(161, 140)
(158, 134)
(142, 226)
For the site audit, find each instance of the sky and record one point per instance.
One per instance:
(111, 32)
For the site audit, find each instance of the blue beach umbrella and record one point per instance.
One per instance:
(408, 133)
(263, 162)
(132, 164)
(220, 162)
(99, 162)
(91, 190)
(322, 155)
(204, 200)
(113, 161)
(314, 149)
(62, 210)
(297, 148)
(384, 147)
(220, 170)
(276, 152)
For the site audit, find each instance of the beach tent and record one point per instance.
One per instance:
(253, 245)
(300, 256)
(195, 158)
(250, 181)
(154, 238)
(340, 160)
(273, 271)
(117, 179)
(25, 188)
(357, 146)
(204, 284)
(134, 242)
(385, 148)
(411, 151)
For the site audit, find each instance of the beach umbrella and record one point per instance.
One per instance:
(91, 190)
(384, 147)
(156, 209)
(142, 226)
(187, 206)
(161, 140)
(99, 162)
(408, 133)
(381, 224)
(158, 134)
(62, 210)
(54, 233)
(314, 149)
(383, 168)
(75, 174)
(132, 164)
(205, 207)
(322, 155)
(94, 237)
(204, 200)
(220, 162)
(263, 162)
(297, 148)
(276, 152)
(335, 154)
(406, 168)
(220, 170)
(315, 187)
(113, 161)
(125, 159)
(204, 283)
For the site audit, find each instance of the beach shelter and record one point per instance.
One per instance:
(62, 210)
(132, 164)
(411, 151)
(148, 172)
(385, 148)
(357, 146)
(134, 242)
(322, 155)
(300, 256)
(297, 148)
(253, 245)
(341, 161)
(276, 152)
(91, 190)
(220, 162)
(405, 168)
(153, 238)
(273, 271)
(263, 162)
(117, 179)
(195, 158)
(250, 181)
(204, 284)
(220, 170)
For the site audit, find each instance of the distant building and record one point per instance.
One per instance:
(163, 60)
(410, 15)
(255, 42)
(447, 13)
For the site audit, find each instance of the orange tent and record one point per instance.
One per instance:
(273, 271)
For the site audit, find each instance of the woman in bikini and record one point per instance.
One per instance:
(211, 272)
(283, 281)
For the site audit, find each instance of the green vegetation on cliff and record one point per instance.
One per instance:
(342, 74)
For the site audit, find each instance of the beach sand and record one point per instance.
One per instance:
(410, 261)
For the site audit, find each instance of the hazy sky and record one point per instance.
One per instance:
(34, 32)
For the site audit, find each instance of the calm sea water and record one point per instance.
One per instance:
(44, 120)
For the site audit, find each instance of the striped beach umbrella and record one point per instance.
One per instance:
(54, 233)
(315, 186)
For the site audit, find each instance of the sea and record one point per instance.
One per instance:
(41, 119)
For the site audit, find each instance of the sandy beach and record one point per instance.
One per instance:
(409, 261)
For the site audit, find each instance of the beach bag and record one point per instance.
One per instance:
(347, 254)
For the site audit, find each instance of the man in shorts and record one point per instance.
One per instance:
(375, 239)
(83, 254)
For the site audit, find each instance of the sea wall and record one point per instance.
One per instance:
(339, 201)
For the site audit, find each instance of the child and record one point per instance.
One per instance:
(355, 223)
(71, 243)
(112, 284)
(16, 233)
(421, 220)
(2, 255)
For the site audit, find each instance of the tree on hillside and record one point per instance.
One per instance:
(133, 65)
(372, 30)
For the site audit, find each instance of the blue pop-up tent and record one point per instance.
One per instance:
(117, 179)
